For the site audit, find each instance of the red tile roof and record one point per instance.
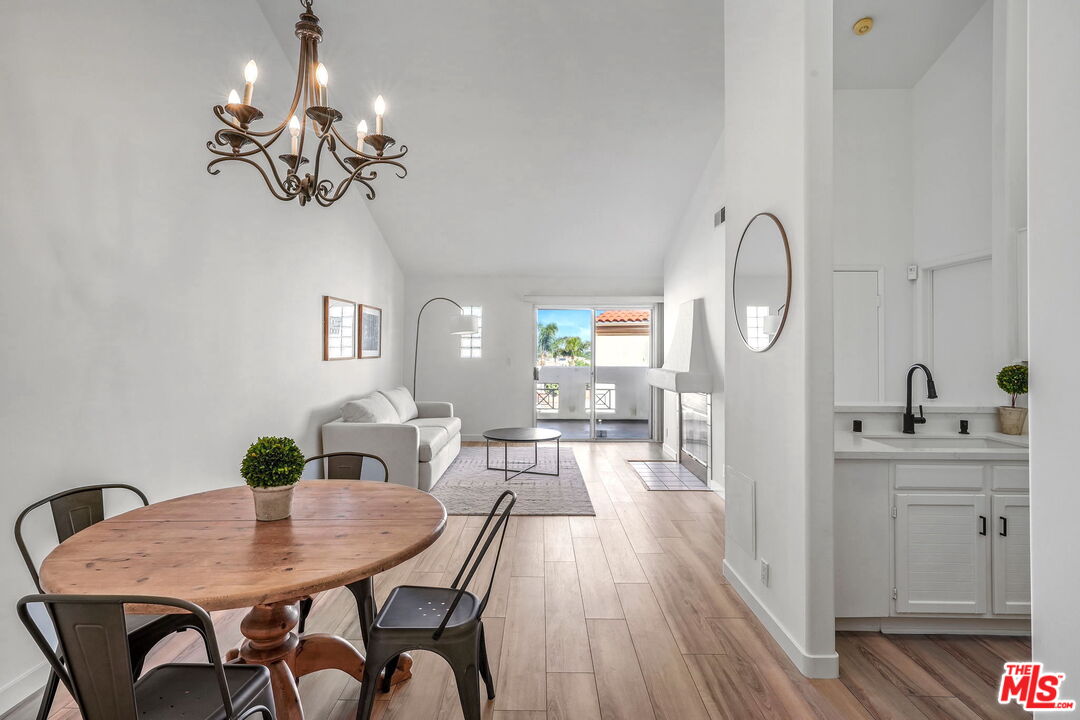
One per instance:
(623, 316)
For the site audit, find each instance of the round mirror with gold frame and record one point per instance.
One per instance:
(761, 282)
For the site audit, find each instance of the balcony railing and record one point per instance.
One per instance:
(605, 397)
(547, 397)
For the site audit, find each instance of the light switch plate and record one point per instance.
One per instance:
(912, 272)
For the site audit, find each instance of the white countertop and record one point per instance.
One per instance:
(927, 406)
(874, 446)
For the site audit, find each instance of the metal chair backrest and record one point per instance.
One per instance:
(96, 664)
(348, 465)
(461, 582)
(73, 510)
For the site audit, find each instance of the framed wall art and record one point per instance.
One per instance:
(370, 331)
(339, 328)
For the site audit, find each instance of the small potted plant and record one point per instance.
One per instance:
(1013, 379)
(271, 467)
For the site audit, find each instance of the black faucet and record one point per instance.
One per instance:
(910, 421)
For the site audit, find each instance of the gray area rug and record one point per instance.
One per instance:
(468, 488)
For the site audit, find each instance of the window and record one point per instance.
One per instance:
(470, 344)
(755, 325)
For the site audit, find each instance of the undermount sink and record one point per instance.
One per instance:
(956, 442)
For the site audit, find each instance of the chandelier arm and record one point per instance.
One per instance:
(323, 141)
(398, 165)
(259, 148)
(323, 188)
(343, 186)
(404, 149)
(306, 91)
(301, 75)
(273, 191)
(342, 164)
(343, 141)
(223, 142)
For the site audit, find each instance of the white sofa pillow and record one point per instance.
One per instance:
(373, 408)
(403, 402)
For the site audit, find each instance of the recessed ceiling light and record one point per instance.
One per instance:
(863, 26)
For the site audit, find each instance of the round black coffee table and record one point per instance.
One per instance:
(521, 435)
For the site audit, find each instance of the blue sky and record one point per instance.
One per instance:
(570, 322)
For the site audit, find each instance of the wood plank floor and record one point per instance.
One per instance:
(626, 616)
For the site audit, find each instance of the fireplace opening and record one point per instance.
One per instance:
(695, 433)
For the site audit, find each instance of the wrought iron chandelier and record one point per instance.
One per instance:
(239, 142)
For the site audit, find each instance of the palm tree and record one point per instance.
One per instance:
(545, 339)
(575, 348)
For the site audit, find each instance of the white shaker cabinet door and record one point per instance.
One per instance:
(941, 553)
(1012, 555)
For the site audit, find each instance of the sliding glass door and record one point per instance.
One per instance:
(564, 342)
(590, 372)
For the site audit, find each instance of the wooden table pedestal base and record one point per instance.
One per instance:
(272, 643)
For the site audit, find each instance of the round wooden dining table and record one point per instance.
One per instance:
(209, 549)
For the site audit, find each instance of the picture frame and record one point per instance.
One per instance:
(370, 332)
(340, 321)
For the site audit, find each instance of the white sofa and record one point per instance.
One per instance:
(416, 440)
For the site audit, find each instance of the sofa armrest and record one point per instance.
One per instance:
(428, 409)
(397, 445)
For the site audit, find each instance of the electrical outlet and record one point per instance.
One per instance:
(765, 573)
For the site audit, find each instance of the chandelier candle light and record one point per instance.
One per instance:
(238, 141)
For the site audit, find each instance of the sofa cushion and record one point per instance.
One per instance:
(451, 425)
(432, 441)
(403, 403)
(373, 408)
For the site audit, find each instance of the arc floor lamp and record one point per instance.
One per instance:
(461, 325)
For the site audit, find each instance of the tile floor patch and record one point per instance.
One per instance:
(666, 476)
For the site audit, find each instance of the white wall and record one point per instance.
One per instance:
(778, 151)
(155, 320)
(951, 116)
(495, 390)
(872, 224)
(694, 267)
(1054, 255)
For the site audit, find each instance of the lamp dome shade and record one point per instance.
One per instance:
(464, 325)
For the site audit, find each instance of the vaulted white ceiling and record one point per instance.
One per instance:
(556, 137)
(908, 36)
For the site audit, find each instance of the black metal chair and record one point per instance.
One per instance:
(96, 665)
(446, 621)
(75, 510)
(348, 466)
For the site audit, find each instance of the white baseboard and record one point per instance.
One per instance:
(812, 666)
(938, 626)
(23, 686)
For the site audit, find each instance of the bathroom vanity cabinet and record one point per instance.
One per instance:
(934, 544)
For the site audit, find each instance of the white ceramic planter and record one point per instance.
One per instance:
(1012, 420)
(273, 503)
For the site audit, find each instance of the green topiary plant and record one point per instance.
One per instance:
(272, 462)
(1013, 379)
